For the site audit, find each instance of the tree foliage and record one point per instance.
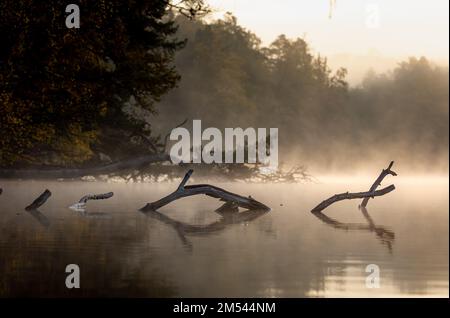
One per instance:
(63, 90)
(230, 80)
(68, 95)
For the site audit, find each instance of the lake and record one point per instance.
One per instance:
(188, 250)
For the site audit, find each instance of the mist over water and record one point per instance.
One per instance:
(286, 252)
(341, 119)
(325, 123)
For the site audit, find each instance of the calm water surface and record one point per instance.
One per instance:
(188, 250)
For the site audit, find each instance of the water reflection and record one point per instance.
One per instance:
(94, 215)
(33, 258)
(385, 235)
(229, 216)
(284, 253)
(38, 216)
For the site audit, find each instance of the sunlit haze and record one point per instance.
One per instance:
(378, 32)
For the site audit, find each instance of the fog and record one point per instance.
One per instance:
(331, 119)
(358, 65)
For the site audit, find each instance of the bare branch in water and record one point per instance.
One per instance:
(39, 201)
(81, 205)
(210, 190)
(361, 195)
(132, 163)
(348, 196)
(378, 181)
(96, 197)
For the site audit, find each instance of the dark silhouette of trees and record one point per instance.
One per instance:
(230, 80)
(68, 96)
(63, 90)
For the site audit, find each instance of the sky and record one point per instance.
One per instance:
(391, 28)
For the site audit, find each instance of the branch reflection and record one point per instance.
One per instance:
(38, 216)
(383, 234)
(228, 217)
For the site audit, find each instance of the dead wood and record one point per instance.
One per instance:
(348, 196)
(184, 191)
(373, 192)
(81, 204)
(128, 164)
(378, 181)
(96, 197)
(39, 201)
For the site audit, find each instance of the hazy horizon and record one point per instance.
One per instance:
(349, 38)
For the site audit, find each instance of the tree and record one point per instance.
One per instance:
(230, 80)
(63, 90)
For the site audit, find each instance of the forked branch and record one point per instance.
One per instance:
(184, 191)
(373, 192)
(348, 196)
(378, 181)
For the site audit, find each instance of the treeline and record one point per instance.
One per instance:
(228, 79)
(88, 96)
(68, 95)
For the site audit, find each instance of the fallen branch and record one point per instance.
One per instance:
(209, 190)
(103, 196)
(377, 182)
(227, 207)
(39, 201)
(134, 163)
(373, 192)
(81, 205)
(348, 196)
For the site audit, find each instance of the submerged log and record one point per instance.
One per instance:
(103, 196)
(348, 196)
(135, 163)
(228, 207)
(184, 191)
(39, 201)
(81, 204)
(377, 182)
